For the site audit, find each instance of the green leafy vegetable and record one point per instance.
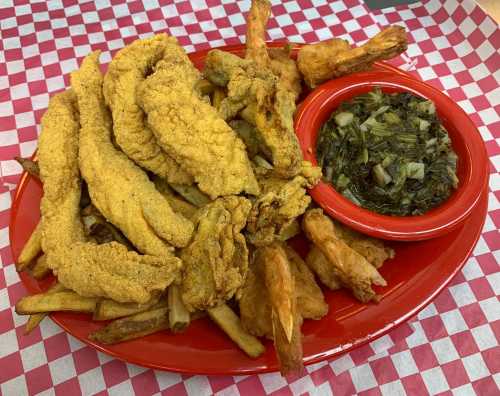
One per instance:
(388, 153)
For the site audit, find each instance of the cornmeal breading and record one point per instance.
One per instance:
(119, 188)
(191, 131)
(126, 71)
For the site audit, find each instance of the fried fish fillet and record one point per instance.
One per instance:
(58, 163)
(280, 204)
(191, 131)
(334, 58)
(353, 270)
(216, 261)
(126, 71)
(106, 270)
(110, 270)
(119, 188)
(263, 89)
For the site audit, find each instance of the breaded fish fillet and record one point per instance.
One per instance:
(58, 163)
(216, 261)
(126, 71)
(110, 270)
(107, 270)
(119, 188)
(280, 204)
(191, 130)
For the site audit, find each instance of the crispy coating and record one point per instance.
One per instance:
(110, 270)
(280, 204)
(334, 58)
(264, 99)
(119, 188)
(254, 303)
(107, 270)
(310, 300)
(260, 10)
(286, 318)
(373, 250)
(191, 131)
(216, 261)
(288, 87)
(177, 203)
(354, 271)
(58, 162)
(319, 264)
(126, 71)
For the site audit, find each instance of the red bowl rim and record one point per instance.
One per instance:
(437, 221)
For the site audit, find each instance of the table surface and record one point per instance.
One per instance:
(451, 347)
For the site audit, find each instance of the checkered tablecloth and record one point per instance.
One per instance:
(451, 347)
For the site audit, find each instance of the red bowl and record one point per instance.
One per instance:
(472, 169)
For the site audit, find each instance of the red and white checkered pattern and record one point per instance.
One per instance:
(452, 347)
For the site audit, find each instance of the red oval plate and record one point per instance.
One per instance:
(417, 274)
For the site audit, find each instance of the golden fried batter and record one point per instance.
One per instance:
(310, 300)
(126, 71)
(216, 261)
(58, 163)
(191, 131)
(354, 271)
(110, 270)
(319, 264)
(119, 188)
(280, 204)
(334, 58)
(107, 270)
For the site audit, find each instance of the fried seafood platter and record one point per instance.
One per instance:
(174, 196)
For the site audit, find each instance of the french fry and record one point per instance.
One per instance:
(32, 249)
(41, 268)
(191, 194)
(109, 309)
(178, 315)
(50, 302)
(229, 322)
(35, 319)
(217, 97)
(29, 166)
(134, 326)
